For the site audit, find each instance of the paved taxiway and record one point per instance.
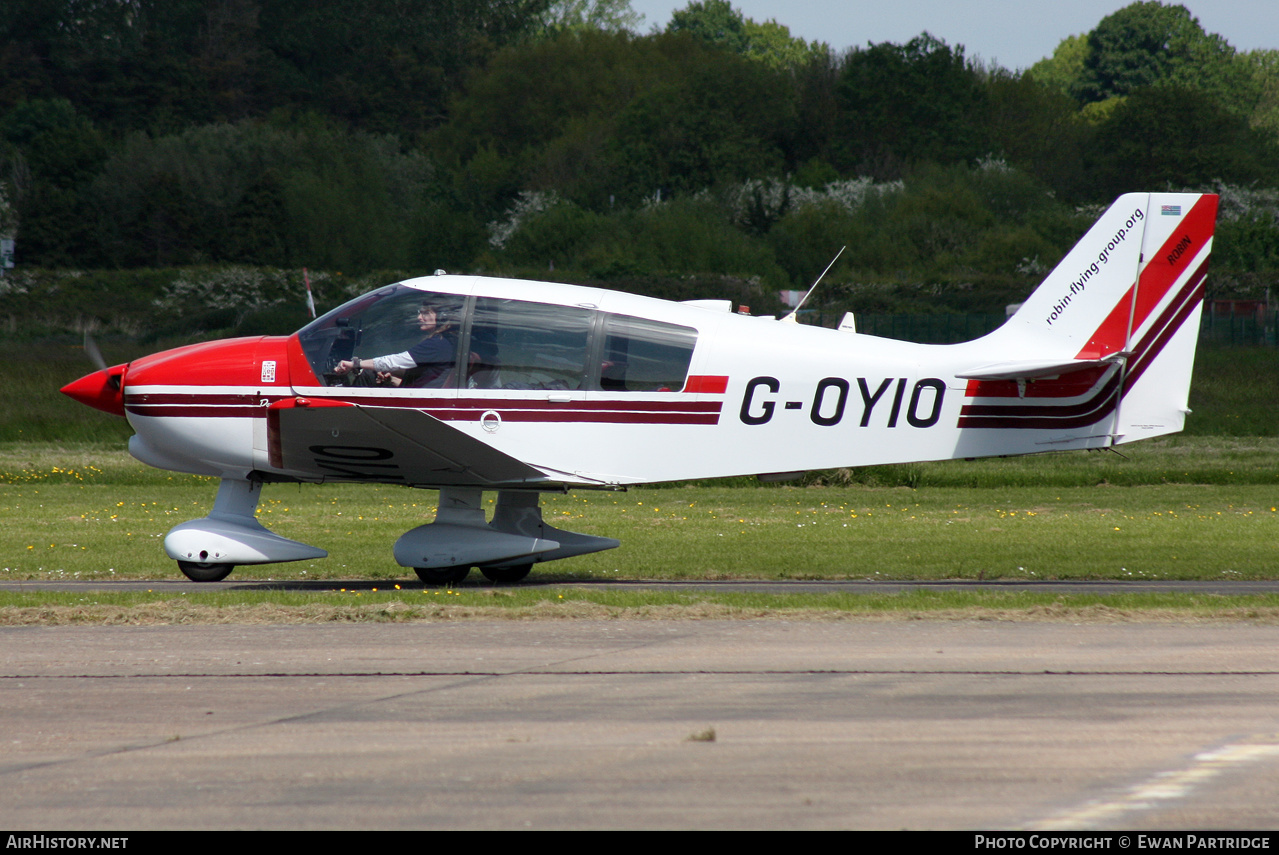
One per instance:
(568, 724)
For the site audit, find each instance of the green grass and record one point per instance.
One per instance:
(1234, 391)
(1201, 505)
(37, 411)
(81, 513)
(1177, 459)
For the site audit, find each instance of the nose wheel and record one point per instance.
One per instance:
(205, 572)
(231, 536)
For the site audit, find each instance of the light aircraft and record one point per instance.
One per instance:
(466, 384)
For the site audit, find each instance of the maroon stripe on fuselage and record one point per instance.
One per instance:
(608, 418)
(195, 410)
(483, 404)
(196, 405)
(1080, 415)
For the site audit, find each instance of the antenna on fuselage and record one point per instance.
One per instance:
(793, 317)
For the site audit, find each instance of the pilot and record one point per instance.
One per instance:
(425, 364)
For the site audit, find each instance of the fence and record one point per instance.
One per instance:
(1234, 322)
(930, 329)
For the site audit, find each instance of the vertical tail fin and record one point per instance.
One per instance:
(1108, 340)
(1105, 292)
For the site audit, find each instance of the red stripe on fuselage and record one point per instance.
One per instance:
(708, 384)
(1070, 385)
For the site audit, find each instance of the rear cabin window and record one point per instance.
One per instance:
(519, 345)
(641, 355)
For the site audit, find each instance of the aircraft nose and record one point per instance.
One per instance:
(102, 390)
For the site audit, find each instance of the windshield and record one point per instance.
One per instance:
(379, 327)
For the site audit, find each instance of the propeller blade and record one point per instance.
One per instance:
(95, 355)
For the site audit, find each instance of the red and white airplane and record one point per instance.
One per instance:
(466, 384)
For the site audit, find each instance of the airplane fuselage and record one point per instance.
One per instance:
(758, 396)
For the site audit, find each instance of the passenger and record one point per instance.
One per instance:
(425, 364)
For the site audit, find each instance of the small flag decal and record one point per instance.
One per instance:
(1170, 210)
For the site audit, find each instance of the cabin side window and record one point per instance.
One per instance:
(519, 345)
(407, 338)
(641, 355)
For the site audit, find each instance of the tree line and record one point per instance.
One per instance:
(550, 138)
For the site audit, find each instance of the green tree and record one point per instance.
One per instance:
(1166, 135)
(576, 15)
(386, 65)
(603, 118)
(55, 151)
(690, 236)
(905, 103)
(1037, 128)
(718, 23)
(162, 65)
(8, 216)
(231, 58)
(1264, 66)
(772, 43)
(1064, 68)
(306, 194)
(125, 65)
(723, 122)
(714, 22)
(1147, 43)
(539, 115)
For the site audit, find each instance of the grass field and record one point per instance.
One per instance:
(1201, 505)
(1181, 508)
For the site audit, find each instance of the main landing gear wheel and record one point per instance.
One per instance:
(441, 575)
(507, 575)
(203, 572)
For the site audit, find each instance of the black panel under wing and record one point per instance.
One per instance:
(390, 445)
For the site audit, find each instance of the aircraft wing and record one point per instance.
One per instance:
(1030, 369)
(336, 440)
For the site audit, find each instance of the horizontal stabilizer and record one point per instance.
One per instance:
(1030, 369)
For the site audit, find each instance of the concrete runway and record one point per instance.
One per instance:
(586, 724)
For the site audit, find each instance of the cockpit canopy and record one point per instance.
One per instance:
(500, 343)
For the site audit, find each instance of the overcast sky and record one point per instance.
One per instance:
(1013, 33)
